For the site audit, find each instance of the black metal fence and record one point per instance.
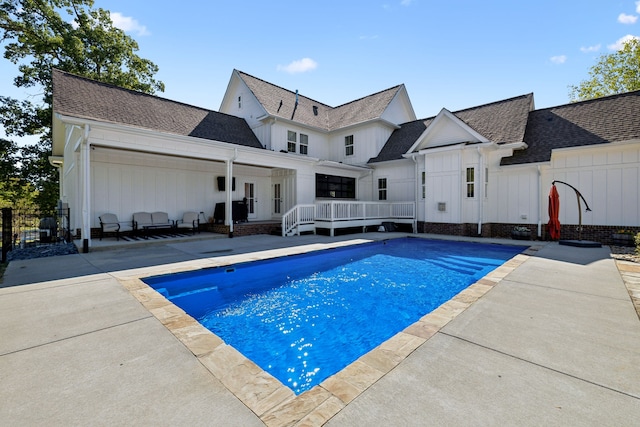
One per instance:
(26, 228)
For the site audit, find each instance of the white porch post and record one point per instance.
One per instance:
(85, 230)
(229, 188)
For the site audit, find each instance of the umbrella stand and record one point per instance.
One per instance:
(579, 242)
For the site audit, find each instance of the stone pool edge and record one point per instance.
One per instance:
(274, 403)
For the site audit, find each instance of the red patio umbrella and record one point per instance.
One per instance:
(554, 211)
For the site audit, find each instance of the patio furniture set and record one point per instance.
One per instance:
(144, 224)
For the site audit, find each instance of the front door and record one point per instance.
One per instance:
(250, 195)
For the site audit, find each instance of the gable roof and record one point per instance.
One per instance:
(280, 102)
(501, 122)
(89, 99)
(597, 121)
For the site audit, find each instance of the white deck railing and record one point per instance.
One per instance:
(297, 216)
(344, 211)
(348, 211)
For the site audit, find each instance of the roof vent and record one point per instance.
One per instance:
(315, 110)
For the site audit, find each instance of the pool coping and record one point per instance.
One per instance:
(274, 403)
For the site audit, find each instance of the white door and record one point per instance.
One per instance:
(250, 195)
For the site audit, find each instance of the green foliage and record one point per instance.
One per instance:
(615, 73)
(39, 35)
(637, 239)
(15, 190)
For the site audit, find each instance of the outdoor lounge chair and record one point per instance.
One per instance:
(141, 220)
(109, 224)
(190, 220)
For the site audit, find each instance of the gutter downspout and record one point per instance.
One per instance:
(86, 190)
(539, 202)
(480, 190)
(417, 194)
(229, 189)
(58, 163)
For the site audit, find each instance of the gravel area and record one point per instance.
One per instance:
(42, 251)
(625, 253)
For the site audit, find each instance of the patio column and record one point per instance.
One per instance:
(85, 231)
(228, 192)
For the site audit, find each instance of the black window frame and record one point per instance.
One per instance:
(335, 187)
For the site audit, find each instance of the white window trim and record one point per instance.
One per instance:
(467, 182)
(384, 189)
(301, 144)
(293, 141)
(351, 145)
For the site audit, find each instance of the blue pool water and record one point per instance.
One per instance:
(303, 318)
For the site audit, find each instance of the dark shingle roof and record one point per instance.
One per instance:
(401, 140)
(597, 121)
(280, 102)
(84, 98)
(501, 122)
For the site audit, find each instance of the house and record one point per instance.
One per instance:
(310, 166)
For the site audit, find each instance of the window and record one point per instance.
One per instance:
(240, 102)
(486, 182)
(304, 143)
(292, 138)
(382, 188)
(470, 182)
(277, 198)
(348, 145)
(424, 185)
(335, 187)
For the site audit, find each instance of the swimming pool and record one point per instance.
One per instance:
(303, 318)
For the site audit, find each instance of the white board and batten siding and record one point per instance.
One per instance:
(513, 196)
(367, 143)
(608, 176)
(400, 177)
(443, 185)
(399, 109)
(124, 183)
(317, 142)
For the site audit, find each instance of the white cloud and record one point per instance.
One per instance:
(558, 59)
(623, 18)
(406, 2)
(619, 44)
(593, 48)
(638, 6)
(368, 37)
(128, 24)
(300, 66)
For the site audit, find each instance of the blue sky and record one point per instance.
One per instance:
(453, 54)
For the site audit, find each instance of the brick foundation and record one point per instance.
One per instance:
(596, 233)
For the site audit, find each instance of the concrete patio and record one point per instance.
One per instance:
(555, 342)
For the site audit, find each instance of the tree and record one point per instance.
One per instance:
(39, 35)
(14, 191)
(614, 73)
